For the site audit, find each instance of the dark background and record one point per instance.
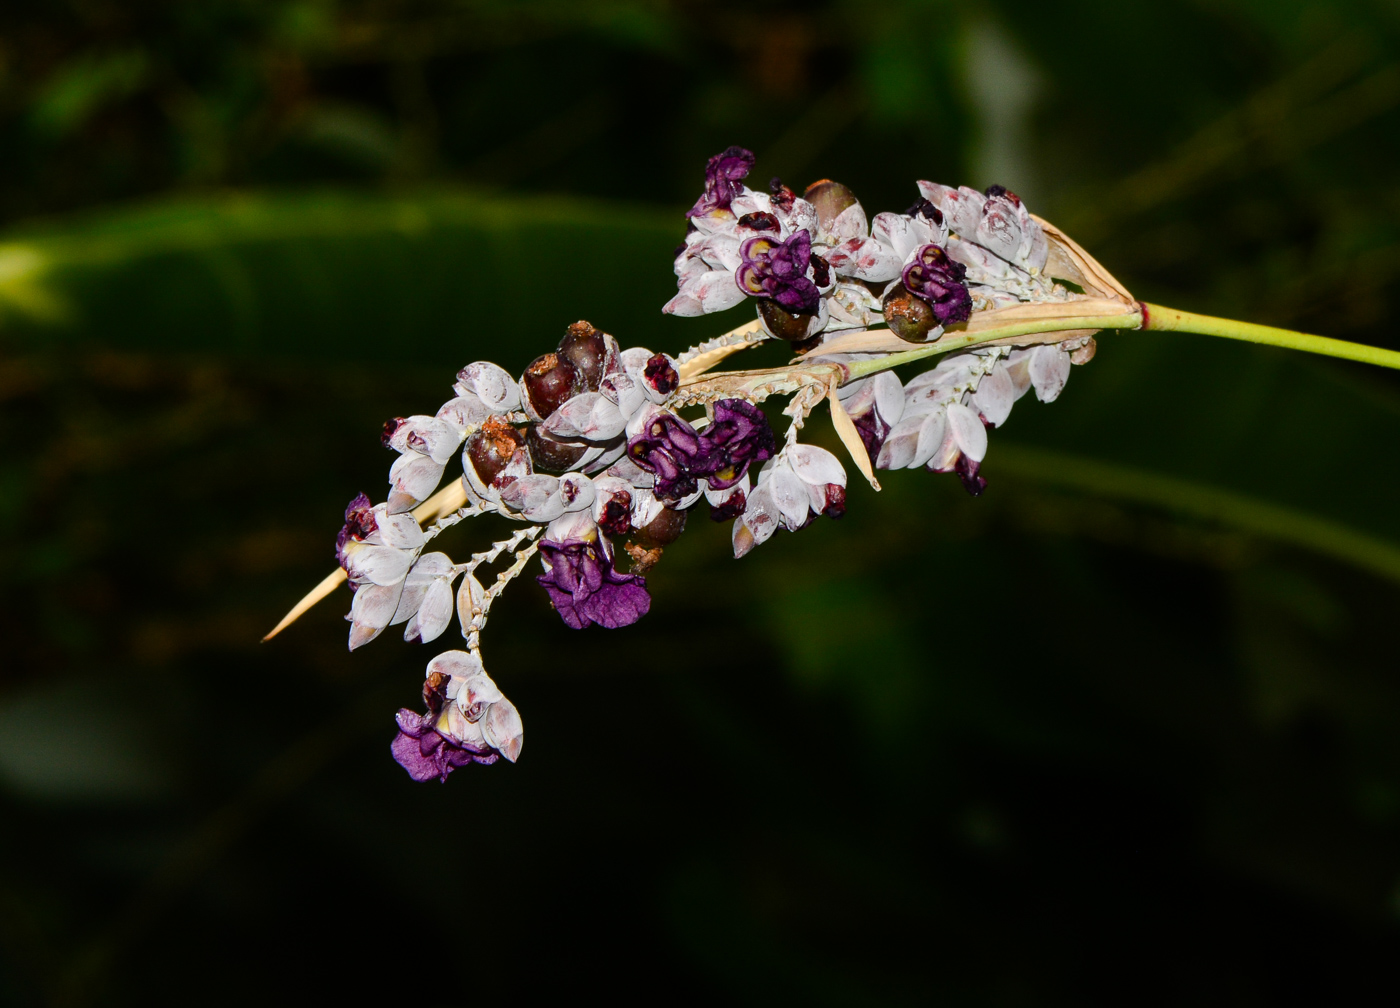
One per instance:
(1125, 730)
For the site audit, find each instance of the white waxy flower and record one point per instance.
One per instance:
(371, 610)
(428, 568)
(624, 391)
(590, 416)
(1049, 370)
(995, 395)
(424, 435)
(465, 413)
(968, 431)
(535, 498)
(503, 729)
(434, 613)
(493, 385)
(412, 479)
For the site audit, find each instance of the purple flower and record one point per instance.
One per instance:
(677, 455)
(938, 280)
(426, 753)
(359, 525)
(723, 180)
(738, 436)
(778, 270)
(584, 588)
(672, 451)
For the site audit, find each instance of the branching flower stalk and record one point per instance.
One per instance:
(589, 451)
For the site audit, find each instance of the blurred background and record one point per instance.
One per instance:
(1124, 730)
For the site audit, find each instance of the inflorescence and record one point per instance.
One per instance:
(589, 450)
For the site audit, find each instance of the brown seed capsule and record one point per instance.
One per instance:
(491, 446)
(551, 456)
(909, 317)
(783, 324)
(663, 530)
(584, 347)
(830, 198)
(550, 381)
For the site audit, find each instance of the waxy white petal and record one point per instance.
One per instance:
(371, 609)
(901, 443)
(814, 465)
(433, 615)
(492, 384)
(968, 432)
(995, 395)
(503, 729)
(1049, 371)
(933, 435)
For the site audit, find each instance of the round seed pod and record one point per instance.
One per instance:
(550, 381)
(584, 347)
(550, 456)
(662, 530)
(909, 317)
(490, 447)
(783, 324)
(829, 198)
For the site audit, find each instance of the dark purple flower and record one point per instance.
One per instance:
(778, 270)
(783, 196)
(359, 524)
(723, 180)
(738, 436)
(426, 753)
(671, 450)
(938, 280)
(678, 456)
(584, 588)
(966, 469)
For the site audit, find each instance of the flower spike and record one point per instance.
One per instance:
(597, 453)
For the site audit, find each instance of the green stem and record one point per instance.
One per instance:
(956, 341)
(1172, 320)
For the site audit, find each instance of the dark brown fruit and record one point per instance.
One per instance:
(909, 317)
(491, 446)
(550, 381)
(830, 198)
(783, 324)
(663, 530)
(584, 347)
(551, 456)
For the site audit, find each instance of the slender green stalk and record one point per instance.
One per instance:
(1173, 320)
(956, 341)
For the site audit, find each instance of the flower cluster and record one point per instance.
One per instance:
(598, 454)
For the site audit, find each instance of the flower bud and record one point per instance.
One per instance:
(491, 447)
(909, 317)
(549, 455)
(586, 349)
(830, 198)
(550, 381)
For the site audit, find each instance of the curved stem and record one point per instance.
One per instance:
(1174, 320)
(957, 341)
